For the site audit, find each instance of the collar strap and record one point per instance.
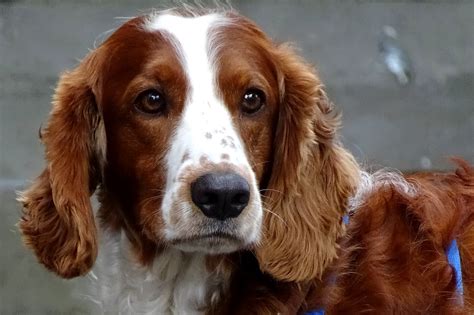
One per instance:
(454, 259)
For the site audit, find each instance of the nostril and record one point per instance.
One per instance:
(209, 198)
(241, 198)
(220, 195)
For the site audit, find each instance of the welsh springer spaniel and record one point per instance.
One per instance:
(223, 185)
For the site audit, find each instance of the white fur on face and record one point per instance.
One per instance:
(205, 134)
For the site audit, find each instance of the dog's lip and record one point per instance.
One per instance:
(207, 236)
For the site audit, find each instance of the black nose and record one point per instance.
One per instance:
(220, 195)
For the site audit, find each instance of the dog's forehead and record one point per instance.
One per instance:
(197, 42)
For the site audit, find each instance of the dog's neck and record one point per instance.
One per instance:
(175, 283)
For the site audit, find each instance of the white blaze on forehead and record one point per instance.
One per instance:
(190, 37)
(206, 129)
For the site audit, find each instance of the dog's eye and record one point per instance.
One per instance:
(151, 102)
(252, 101)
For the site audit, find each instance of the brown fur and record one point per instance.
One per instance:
(58, 222)
(393, 258)
(311, 180)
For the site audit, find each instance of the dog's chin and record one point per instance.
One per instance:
(210, 244)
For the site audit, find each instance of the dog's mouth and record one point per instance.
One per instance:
(210, 243)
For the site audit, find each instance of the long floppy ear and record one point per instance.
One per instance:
(312, 178)
(57, 222)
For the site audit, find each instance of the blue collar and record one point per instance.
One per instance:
(454, 259)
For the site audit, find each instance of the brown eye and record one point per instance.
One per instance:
(252, 101)
(151, 102)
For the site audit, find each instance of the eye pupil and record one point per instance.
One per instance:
(151, 102)
(154, 97)
(253, 100)
(251, 97)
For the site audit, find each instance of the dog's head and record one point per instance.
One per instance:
(203, 135)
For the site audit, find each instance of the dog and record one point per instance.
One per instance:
(222, 185)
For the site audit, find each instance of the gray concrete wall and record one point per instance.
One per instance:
(384, 124)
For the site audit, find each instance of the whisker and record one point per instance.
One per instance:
(261, 163)
(268, 189)
(276, 215)
(149, 218)
(146, 201)
(157, 190)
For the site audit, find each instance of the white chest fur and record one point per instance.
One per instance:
(176, 283)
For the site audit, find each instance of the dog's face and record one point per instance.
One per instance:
(204, 135)
(189, 117)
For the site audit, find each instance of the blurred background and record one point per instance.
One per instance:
(401, 71)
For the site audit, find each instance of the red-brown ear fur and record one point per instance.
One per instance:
(57, 222)
(312, 178)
